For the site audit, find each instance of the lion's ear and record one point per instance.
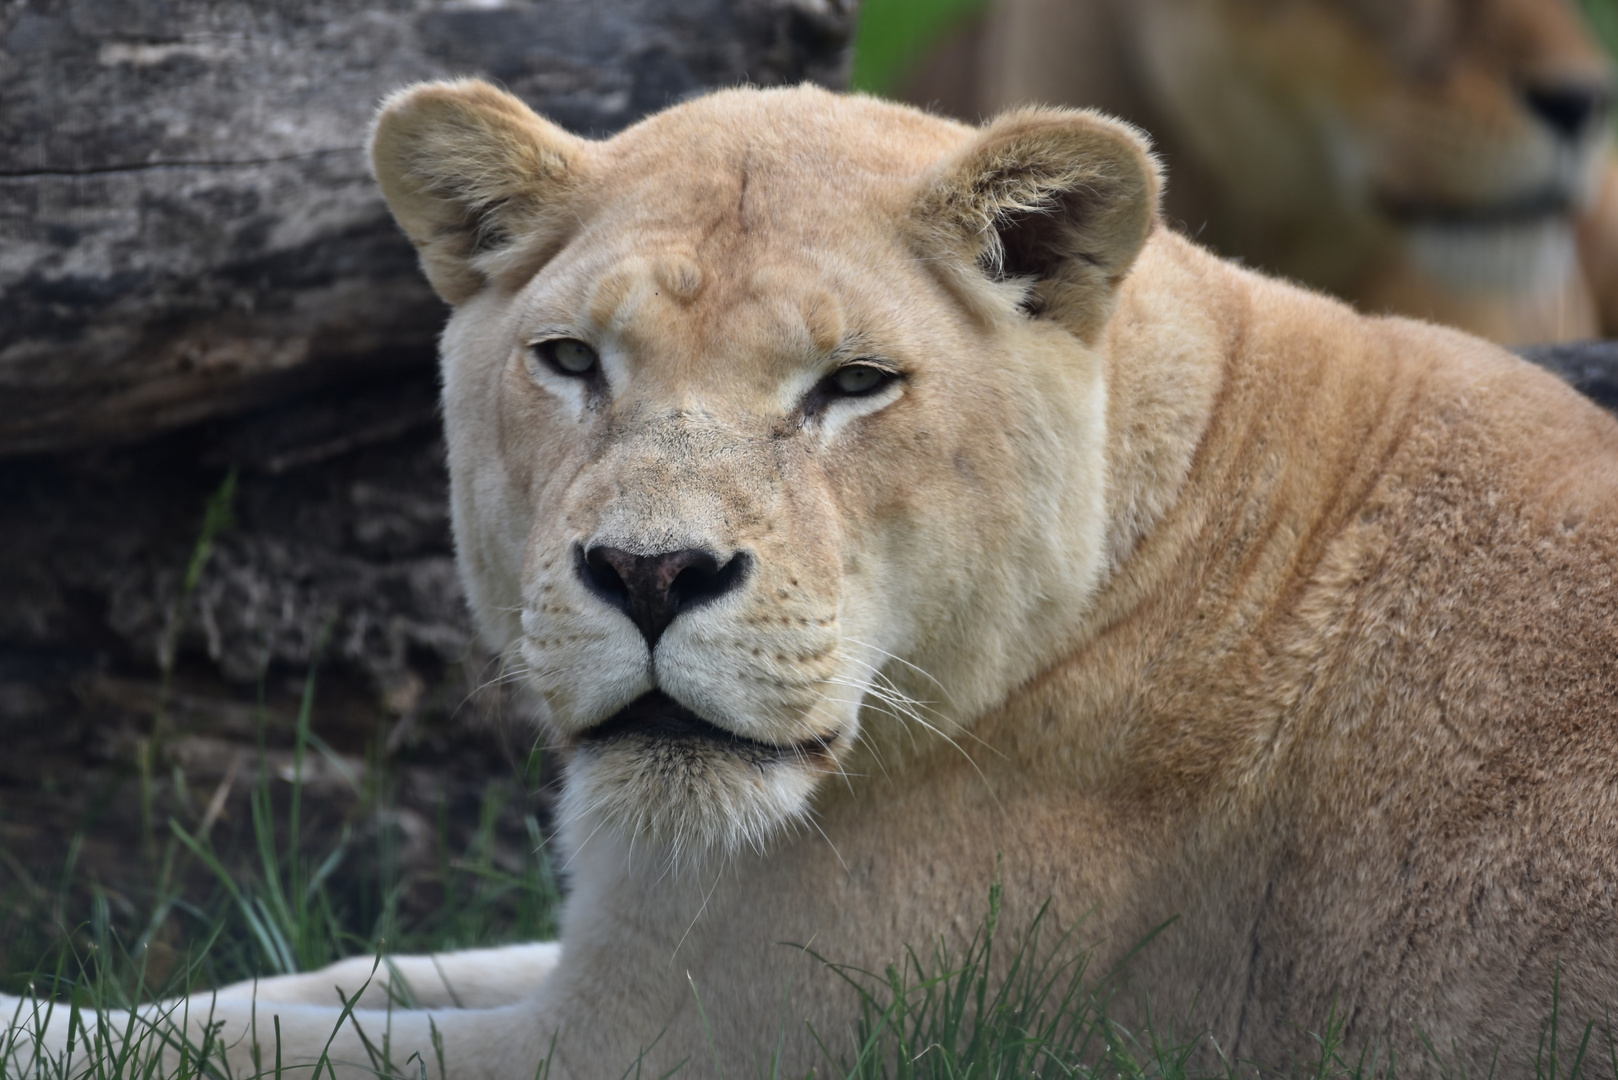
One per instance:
(1059, 200)
(476, 179)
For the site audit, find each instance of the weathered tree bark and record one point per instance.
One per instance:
(188, 227)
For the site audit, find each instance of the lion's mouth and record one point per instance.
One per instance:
(657, 718)
(1526, 209)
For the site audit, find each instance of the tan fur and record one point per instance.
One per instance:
(1293, 127)
(1230, 606)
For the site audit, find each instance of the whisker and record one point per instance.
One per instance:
(582, 843)
(898, 700)
(819, 701)
(880, 705)
(880, 678)
(901, 660)
(823, 836)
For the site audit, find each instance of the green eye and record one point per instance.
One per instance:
(858, 380)
(567, 356)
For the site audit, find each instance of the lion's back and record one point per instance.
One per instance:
(1456, 813)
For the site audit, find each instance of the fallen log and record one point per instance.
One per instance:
(1590, 367)
(188, 228)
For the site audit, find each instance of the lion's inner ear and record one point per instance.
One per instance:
(1059, 199)
(477, 180)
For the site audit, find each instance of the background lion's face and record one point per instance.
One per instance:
(741, 485)
(1458, 135)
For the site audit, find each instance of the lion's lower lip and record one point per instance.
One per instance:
(657, 717)
(1531, 207)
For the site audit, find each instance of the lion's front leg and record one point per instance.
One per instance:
(467, 979)
(246, 1036)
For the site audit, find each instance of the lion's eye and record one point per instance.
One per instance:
(860, 380)
(567, 356)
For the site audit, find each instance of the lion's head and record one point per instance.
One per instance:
(766, 422)
(1432, 157)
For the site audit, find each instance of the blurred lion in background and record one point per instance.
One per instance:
(1447, 159)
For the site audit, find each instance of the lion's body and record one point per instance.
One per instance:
(1295, 627)
(1390, 153)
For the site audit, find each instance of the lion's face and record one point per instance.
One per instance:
(752, 461)
(1459, 136)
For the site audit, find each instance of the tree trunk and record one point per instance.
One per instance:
(188, 227)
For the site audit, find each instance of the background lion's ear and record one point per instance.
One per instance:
(476, 179)
(1059, 200)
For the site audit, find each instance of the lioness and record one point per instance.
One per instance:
(880, 505)
(1441, 158)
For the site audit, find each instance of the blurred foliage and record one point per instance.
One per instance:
(895, 34)
(1604, 17)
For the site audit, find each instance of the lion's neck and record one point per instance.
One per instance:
(1166, 366)
(1247, 422)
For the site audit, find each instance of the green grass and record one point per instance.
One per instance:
(269, 903)
(288, 916)
(944, 1017)
(940, 1015)
(1603, 15)
(285, 918)
(894, 35)
(1038, 1012)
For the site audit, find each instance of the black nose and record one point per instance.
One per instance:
(1569, 109)
(653, 589)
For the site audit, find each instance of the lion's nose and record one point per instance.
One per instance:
(1569, 109)
(653, 589)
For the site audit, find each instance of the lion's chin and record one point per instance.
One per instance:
(665, 779)
(1515, 244)
(1526, 256)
